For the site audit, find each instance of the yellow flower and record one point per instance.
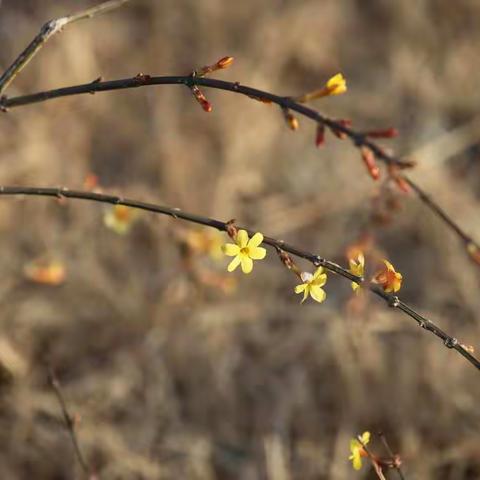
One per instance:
(357, 267)
(357, 451)
(336, 85)
(313, 285)
(204, 241)
(120, 218)
(388, 278)
(244, 251)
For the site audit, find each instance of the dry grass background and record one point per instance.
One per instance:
(172, 378)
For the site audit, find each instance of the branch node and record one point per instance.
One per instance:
(393, 301)
(450, 342)
(318, 261)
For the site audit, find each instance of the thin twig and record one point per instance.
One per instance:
(69, 422)
(46, 32)
(396, 464)
(392, 300)
(358, 139)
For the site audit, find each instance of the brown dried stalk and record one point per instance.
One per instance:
(46, 32)
(391, 300)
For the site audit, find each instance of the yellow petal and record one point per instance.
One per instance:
(320, 281)
(230, 249)
(337, 84)
(354, 445)
(234, 264)
(305, 293)
(389, 266)
(300, 288)
(242, 238)
(317, 293)
(257, 253)
(256, 240)
(247, 264)
(355, 286)
(357, 462)
(336, 79)
(365, 438)
(318, 272)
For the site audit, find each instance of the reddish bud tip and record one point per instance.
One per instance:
(387, 133)
(368, 158)
(224, 62)
(320, 136)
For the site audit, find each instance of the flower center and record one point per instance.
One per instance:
(244, 251)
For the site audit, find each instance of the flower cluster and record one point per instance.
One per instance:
(387, 277)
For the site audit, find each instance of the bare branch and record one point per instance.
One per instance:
(391, 300)
(46, 32)
(358, 139)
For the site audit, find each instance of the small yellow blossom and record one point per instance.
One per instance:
(46, 272)
(312, 285)
(244, 251)
(336, 85)
(357, 267)
(388, 278)
(120, 218)
(357, 451)
(204, 241)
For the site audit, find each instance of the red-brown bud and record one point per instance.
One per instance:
(224, 62)
(387, 133)
(320, 135)
(368, 158)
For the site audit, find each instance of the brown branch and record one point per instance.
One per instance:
(394, 458)
(391, 300)
(69, 422)
(358, 139)
(46, 32)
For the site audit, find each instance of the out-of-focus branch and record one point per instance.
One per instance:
(69, 422)
(46, 32)
(391, 300)
(287, 103)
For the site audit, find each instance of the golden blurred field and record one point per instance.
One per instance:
(171, 376)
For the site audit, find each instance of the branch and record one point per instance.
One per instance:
(69, 422)
(391, 300)
(287, 103)
(46, 32)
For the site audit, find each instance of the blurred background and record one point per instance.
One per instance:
(173, 368)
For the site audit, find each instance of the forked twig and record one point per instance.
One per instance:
(391, 300)
(46, 32)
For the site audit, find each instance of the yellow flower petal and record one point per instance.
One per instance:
(365, 437)
(257, 253)
(320, 281)
(389, 266)
(234, 264)
(336, 85)
(317, 293)
(230, 249)
(357, 462)
(256, 240)
(318, 272)
(305, 293)
(300, 288)
(247, 264)
(242, 238)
